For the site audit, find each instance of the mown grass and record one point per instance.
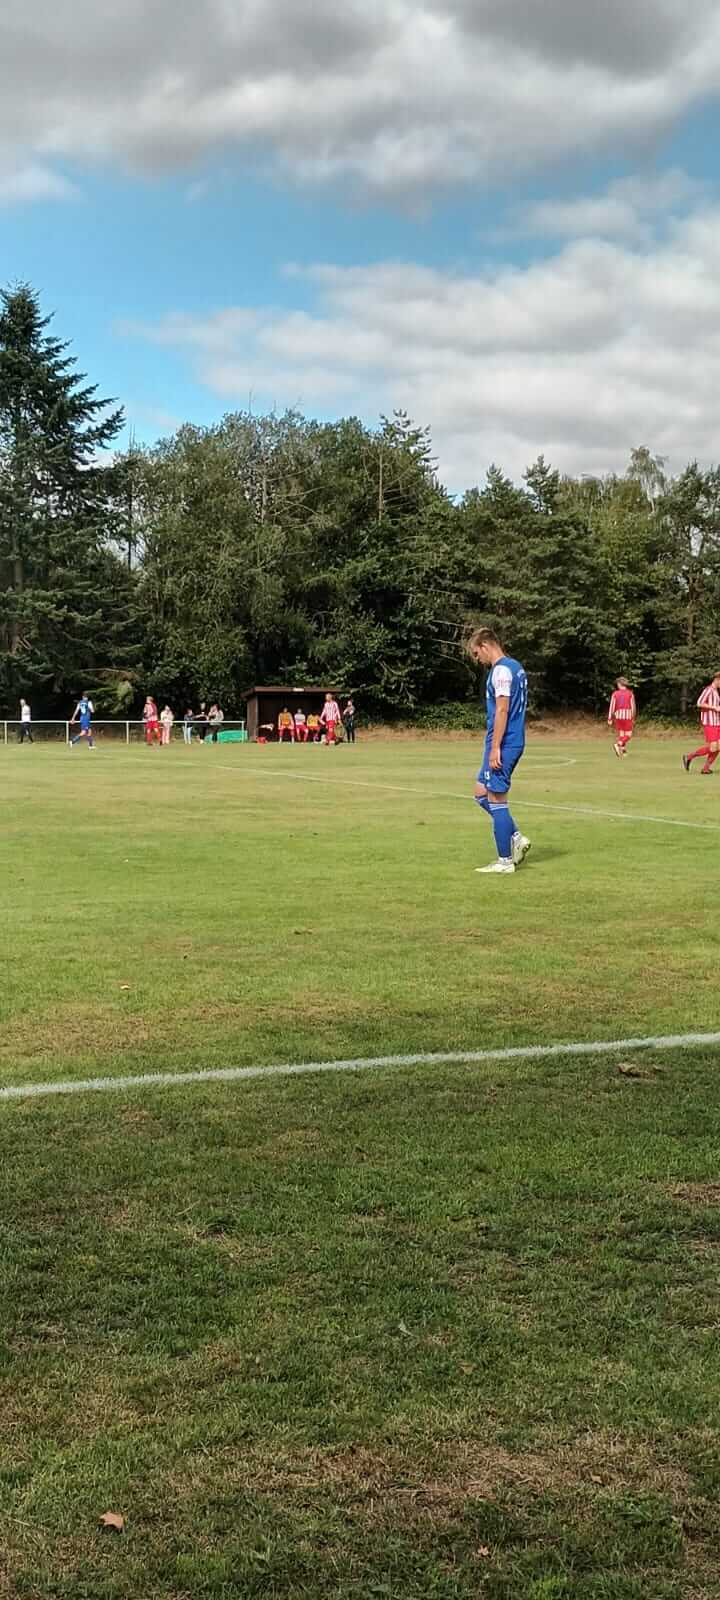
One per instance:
(446, 1332)
(190, 908)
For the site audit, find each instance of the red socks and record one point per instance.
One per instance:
(712, 758)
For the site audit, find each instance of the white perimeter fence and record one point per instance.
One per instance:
(131, 732)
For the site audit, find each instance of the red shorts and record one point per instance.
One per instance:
(624, 730)
(330, 731)
(711, 735)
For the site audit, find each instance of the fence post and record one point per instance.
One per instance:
(5, 732)
(67, 732)
(127, 732)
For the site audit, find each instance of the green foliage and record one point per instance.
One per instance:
(276, 548)
(451, 716)
(66, 604)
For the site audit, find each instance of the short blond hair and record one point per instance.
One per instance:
(480, 636)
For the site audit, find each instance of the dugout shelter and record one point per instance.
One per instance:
(265, 704)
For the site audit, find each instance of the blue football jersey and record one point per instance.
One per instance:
(508, 679)
(85, 710)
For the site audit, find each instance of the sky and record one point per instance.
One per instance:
(502, 216)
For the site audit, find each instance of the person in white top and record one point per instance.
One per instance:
(25, 729)
(216, 718)
(167, 719)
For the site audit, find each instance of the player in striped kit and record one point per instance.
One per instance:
(330, 718)
(621, 716)
(709, 707)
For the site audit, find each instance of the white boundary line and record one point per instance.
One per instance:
(450, 794)
(532, 1052)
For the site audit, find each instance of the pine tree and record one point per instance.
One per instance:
(57, 606)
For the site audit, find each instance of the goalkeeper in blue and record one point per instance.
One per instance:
(506, 695)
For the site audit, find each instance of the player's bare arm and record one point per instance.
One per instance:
(501, 721)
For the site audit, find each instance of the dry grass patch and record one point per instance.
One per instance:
(100, 1407)
(76, 1030)
(396, 1485)
(697, 1194)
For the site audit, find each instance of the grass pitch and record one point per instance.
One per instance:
(438, 1332)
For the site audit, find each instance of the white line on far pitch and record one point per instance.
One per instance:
(448, 794)
(522, 1052)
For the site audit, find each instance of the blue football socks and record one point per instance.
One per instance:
(503, 828)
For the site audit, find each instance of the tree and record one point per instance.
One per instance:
(688, 513)
(629, 549)
(59, 591)
(535, 562)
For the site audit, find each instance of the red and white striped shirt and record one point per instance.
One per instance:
(709, 704)
(330, 712)
(622, 706)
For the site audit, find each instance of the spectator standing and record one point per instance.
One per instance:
(167, 719)
(348, 718)
(216, 718)
(202, 722)
(25, 729)
(188, 723)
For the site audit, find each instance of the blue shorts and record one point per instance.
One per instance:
(499, 781)
(85, 724)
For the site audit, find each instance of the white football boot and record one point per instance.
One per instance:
(520, 847)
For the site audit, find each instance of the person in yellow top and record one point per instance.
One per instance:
(313, 723)
(286, 725)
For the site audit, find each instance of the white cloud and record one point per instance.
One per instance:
(28, 184)
(396, 96)
(582, 356)
(630, 208)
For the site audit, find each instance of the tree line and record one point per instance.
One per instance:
(281, 549)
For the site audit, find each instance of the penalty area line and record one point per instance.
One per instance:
(532, 1052)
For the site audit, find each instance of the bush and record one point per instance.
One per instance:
(451, 716)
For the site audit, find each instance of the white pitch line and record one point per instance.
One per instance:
(532, 1052)
(449, 794)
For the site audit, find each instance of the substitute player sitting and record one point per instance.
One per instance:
(621, 716)
(506, 696)
(285, 726)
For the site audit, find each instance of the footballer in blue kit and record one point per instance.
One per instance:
(83, 714)
(506, 695)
